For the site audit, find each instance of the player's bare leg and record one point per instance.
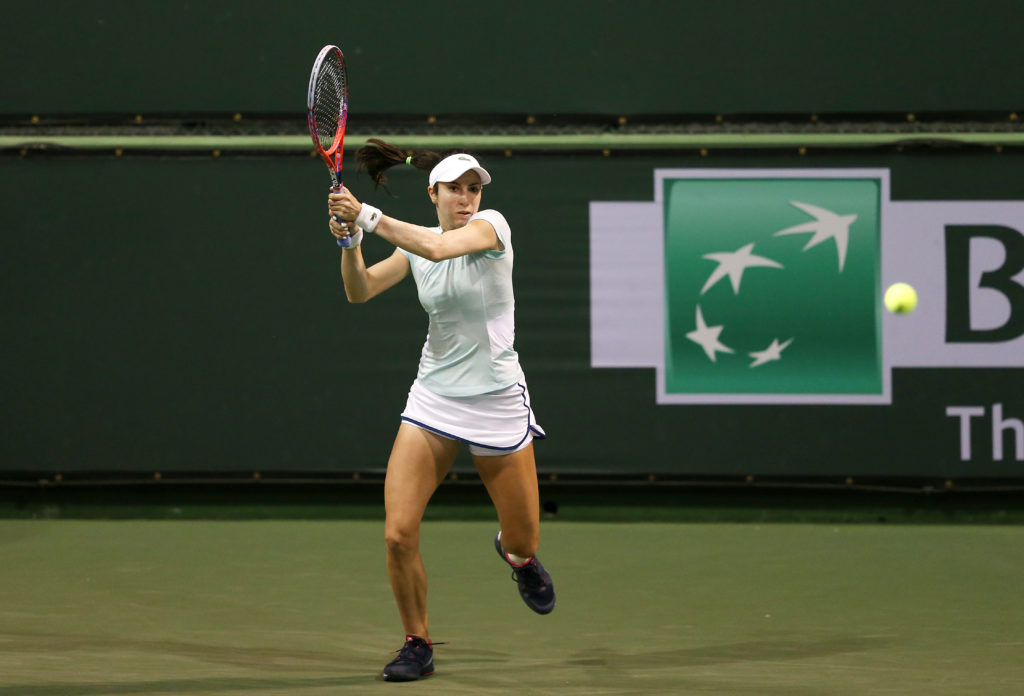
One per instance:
(511, 481)
(419, 462)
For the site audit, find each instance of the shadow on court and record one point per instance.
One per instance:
(272, 660)
(178, 686)
(266, 658)
(774, 650)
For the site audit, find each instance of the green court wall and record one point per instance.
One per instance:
(546, 58)
(186, 315)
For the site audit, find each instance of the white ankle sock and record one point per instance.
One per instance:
(518, 560)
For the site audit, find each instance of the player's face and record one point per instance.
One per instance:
(458, 200)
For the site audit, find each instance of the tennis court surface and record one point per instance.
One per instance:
(206, 608)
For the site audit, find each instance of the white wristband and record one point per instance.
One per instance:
(368, 217)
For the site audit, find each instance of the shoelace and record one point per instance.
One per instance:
(527, 575)
(407, 653)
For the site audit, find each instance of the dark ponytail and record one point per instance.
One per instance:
(377, 156)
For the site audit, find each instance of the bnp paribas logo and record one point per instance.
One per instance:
(771, 286)
(764, 286)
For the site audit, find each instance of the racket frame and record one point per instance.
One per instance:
(331, 156)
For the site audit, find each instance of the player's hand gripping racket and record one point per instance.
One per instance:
(327, 112)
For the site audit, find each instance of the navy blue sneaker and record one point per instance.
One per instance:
(535, 586)
(415, 660)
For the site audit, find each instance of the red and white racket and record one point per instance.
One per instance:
(327, 112)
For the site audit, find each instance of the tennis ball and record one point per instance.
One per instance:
(900, 298)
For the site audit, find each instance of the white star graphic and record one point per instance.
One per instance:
(772, 352)
(826, 225)
(707, 338)
(733, 264)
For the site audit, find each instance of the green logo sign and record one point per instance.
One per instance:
(772, 286)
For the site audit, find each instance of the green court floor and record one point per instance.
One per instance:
(224, 608)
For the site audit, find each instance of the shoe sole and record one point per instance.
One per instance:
(385, 677)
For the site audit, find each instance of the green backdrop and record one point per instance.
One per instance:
(187, 315)
(528, 57)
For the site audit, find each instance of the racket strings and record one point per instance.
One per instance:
(329, 96)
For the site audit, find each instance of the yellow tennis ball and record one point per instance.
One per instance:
(900, 298)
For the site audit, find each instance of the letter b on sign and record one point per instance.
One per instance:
(960, 285)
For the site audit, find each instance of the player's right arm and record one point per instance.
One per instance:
(362, 283)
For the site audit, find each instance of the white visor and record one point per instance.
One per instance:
(454, 166)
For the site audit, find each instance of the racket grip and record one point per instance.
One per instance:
(346, 242)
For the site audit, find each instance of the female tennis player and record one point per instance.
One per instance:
(469, 389)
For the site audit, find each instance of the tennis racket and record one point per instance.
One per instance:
(327, 112)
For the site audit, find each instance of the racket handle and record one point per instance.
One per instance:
(345, 242)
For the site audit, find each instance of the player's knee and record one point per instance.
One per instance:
(401, 541)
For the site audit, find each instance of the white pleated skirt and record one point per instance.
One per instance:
(491, 424)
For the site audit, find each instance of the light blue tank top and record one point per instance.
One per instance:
(471, 310)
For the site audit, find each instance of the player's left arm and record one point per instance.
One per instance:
(477, 235)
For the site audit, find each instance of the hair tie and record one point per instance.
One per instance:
(408, 160)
